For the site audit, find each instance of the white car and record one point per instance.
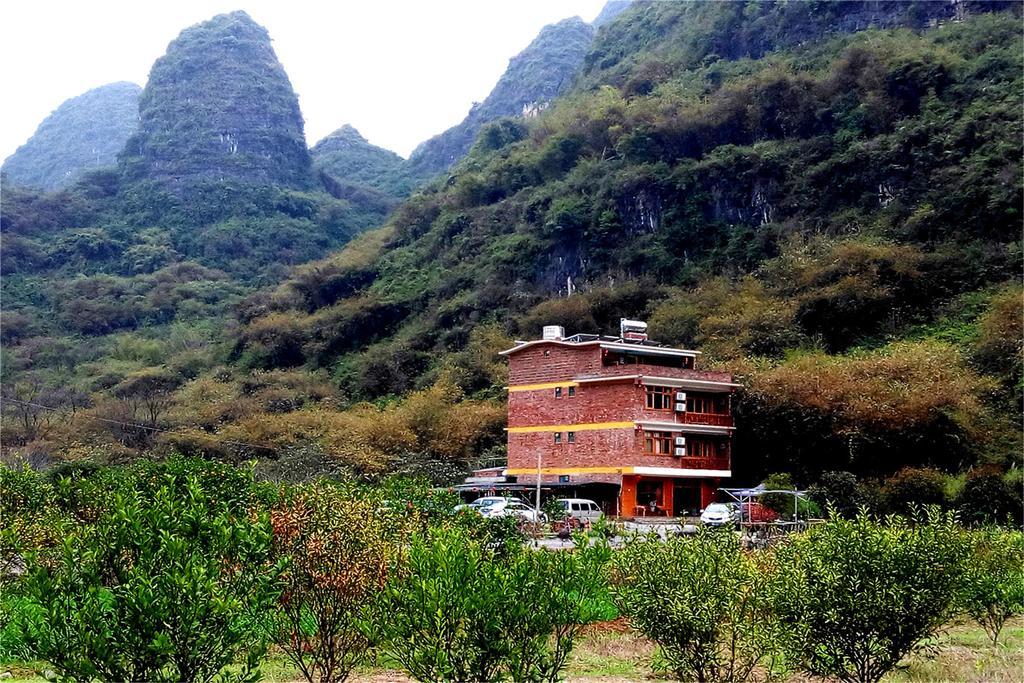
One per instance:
(718, 514)
(480, 503)
(507, 507)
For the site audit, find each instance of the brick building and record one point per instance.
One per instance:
(631, 423)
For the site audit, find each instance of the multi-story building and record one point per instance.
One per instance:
(631, 422)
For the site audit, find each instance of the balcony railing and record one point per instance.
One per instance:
(703, 463)
(715, 419)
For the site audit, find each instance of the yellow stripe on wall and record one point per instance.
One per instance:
(572, 470)
(545, 385)
(571, 428)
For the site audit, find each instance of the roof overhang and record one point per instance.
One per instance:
(679, 473)
(687, 428)
(649, 350)
(615, 346)
(694, 384)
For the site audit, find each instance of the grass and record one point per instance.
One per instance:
(610, 653)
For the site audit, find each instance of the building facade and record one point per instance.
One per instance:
(632, 421)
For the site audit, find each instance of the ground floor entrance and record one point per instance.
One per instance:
(642, 496)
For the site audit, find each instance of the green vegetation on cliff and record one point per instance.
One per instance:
(219, 107)
(84, 133)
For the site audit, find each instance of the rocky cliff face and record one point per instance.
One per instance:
(534, 77)
(84, 133)
(219, 107)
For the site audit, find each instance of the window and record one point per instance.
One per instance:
(572, 391)
(558, 392)
(572, 437)
(659, 398)
(658, 443)
(558, 437)
(702, 449)
(706, 404)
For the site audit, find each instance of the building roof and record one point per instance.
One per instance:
(645, 347)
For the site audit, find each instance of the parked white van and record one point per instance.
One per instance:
(581, 508)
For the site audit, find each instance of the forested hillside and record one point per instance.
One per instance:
(830, 211)
(84, 133)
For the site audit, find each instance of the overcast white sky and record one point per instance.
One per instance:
(398, 70)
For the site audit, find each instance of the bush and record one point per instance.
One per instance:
(987, 498)
(994, 587)
(701, 600)
(839, 493)
(857, 596)
(912, 488)
(162, 587)
(338, 552)
(461, 612)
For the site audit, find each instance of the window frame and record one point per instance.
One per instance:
(654, 438)
(654, 392)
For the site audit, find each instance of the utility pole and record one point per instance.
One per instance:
(536, 524)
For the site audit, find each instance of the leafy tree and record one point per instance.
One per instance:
(160, 588)
(858, 596)
(702, 601)
(838, 492)
(339, 552)
(993, 590)
(462, 611)
(987, 498)
(914, 488)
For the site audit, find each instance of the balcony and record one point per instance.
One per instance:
(703, 463)
(715, 419)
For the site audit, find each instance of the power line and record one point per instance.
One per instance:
(150, 428)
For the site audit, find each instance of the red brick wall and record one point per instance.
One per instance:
(531, 366)
(611, 402)
(596, 448)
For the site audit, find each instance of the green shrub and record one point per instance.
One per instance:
(439, 620)
(838, 492)
(701, 600)
(460, 611)
(858, 596)
(986, 498)
(912, 488)
(994, 587)
(162, 587)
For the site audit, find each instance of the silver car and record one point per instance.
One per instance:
(581, 509)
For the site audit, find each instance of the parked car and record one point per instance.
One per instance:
(480, 503)
(508, 507)
(581, 509)
(718, 514)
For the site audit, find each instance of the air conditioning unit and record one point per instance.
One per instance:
(680, 401)
(681, 452)
(680, 440)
